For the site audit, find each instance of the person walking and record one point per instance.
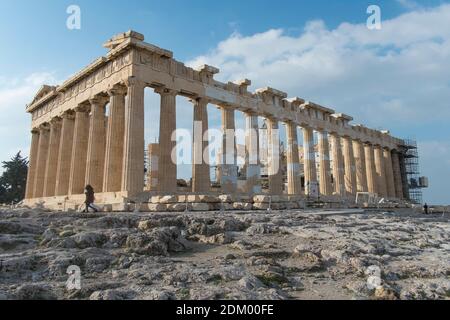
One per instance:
(90, 198)
(425, 208)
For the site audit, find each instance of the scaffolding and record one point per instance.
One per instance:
(411, 172)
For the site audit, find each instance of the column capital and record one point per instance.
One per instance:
(68, 115)
(99, 100)
(291, 122)
(83, 107)
(306, 127)
(347, 137)
(44, 127)
(251, 113)
(200, 100)
(35, 130)
(117, 90)
(272, 118)
(164, 91)
(55, 121)
(133, 81)
(334, 134)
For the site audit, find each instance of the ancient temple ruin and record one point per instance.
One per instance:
(75, 143)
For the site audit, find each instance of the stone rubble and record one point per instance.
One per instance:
(259, 255)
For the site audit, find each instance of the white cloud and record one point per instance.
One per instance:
(408, 4)
(15, 93)
(372, 75)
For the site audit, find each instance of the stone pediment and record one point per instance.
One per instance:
(43, 91)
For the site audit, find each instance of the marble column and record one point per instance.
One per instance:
(229, 161)
(133, 169)
(52, 158)
(201, 180)
(397, 174)
(293, 162)
(309, 157)
(65, 154)
(273, 158)
(112, 176)
(390, 184)
(360, 164)
(167, 167)
(79, 150)
(95, 162)
(381, 171)
(324, 158)
(252, 161)
(338, 165)
(29, 192)
(42, 154)
(372, 184)
(350, 167)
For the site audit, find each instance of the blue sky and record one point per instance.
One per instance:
(320, 50)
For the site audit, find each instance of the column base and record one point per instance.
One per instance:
(181, 202)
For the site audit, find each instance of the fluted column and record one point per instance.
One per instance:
(350, 167)
(52, 158)
(309, 157)
(229, 160)
(390, 184)
(360, 162)
(381, 171)
(338, 165)
(112, 176)
(29, 192)
(65, 154)
(372, 184)
(79, 150)
(252, 161)
(95, 162)
(397, 174)
(167, 167)
(201, 181)
(273, 158)
(39, 179)
(293, 163)
(134, 144)
(324, 157)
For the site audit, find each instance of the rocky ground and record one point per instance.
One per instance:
(224, 255)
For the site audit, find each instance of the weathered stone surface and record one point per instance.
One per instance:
(261, 206)
(261, 199)
(199, 206)
(225, 255)
(168, 199)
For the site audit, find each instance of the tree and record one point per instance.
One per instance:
(14, 179)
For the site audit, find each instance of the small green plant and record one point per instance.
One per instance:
(272, 279)
(215, 279)
(185, 293)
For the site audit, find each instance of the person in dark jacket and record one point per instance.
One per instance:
(90, 197)
(425, 208)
